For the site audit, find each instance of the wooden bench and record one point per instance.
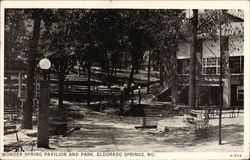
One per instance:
(209, 110)
(12, 108)
(199, 122)
(18, 145)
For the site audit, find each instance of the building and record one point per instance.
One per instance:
(208, 65)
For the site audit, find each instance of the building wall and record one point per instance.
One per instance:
(211, 49)
(183, 50)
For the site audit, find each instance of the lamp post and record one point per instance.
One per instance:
(132, 93)
(139, 89)
(45, 65)
(43, 118)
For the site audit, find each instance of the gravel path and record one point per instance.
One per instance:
(101, 132)
(113, 133)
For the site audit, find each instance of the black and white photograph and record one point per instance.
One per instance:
(124, 82)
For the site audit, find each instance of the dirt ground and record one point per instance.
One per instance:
(105, 132)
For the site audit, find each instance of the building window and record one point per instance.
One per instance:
(240, 93)
(183, 66)
(236, 64)
(211, 65)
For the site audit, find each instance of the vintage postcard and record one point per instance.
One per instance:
(124, 80)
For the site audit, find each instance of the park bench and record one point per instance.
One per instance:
(17, 146)
(12, 108)
(198, 121)
(180, 110)
(209, 110)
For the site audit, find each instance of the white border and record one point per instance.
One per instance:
(147, 5)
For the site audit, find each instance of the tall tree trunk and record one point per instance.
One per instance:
(115, 71)
(174, 80)
(88, 100)
(109, 77)
(120, 67)
(193, 61)
(161, 74)
(28, 107)
(133, 68)
(222, 49)
(112, 70)
(138, 66)
(107, 69)
(153, 64)
(60, 92)
(149, 68)
(131, 78)
(79, 71)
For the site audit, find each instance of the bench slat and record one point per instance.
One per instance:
(20, 143)
(10, 132)
(9, 127)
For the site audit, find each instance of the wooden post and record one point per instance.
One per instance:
(43, 119)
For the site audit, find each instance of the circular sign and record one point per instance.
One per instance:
(44, 63)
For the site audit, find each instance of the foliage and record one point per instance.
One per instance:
(18, 29)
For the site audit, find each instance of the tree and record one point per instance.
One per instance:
(223, 28)
(90, 54)
(138, 47)
(59, 45)
(136, 37)
(193, 61)
(165, 27)
(97, 31)
(18, 32)
(33, 52)
(217, 25)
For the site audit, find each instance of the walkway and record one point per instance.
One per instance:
(102, 132)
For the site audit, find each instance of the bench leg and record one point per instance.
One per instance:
(32, 146)
(22, 149)
(19, 149)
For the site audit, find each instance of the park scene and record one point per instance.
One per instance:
(123, 80)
